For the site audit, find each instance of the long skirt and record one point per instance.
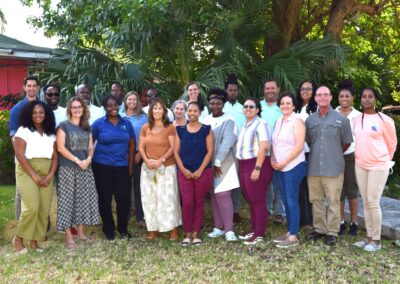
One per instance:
(77, 198)
(160, 198)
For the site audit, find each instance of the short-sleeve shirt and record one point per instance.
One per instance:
(37, 145)
(236, 110)
(137, 122)
(76, 142)
(353, 114)
(95, 113)
(193, 147)
(15, 114)
(270, 114)
(112, 148)
(157, 144)
(60, 115)
(249, 137)
(326, 135)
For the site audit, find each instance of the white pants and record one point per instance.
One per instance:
(371, 184)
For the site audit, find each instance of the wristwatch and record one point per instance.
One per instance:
(257, 168)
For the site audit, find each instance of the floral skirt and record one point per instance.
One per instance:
(160, 198)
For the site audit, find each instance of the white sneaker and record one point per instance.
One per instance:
(372, 247)
(254, 240)
(216, 233)
(246, 237)
(361, 244)
(230, 236)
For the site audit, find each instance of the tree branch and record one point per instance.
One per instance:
(369, 9)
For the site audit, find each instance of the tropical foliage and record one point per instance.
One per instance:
(169, 43)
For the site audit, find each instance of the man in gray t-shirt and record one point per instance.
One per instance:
(328, 135)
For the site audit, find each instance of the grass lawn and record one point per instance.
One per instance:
(7, 196)
(162, 261)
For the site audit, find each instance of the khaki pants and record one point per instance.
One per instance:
(326, 219)
(35, 201)
(371, 184)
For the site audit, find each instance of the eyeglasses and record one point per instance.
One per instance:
(325, 95)
(306, 89)
(76, 107)
(52, 94)
(249, 106)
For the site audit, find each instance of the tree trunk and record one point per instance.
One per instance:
(339, 10)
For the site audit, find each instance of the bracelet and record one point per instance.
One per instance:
(75, 159)
(34, 174)
(89, 158)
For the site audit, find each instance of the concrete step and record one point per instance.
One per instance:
(390, 217)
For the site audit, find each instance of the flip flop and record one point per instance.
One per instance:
(197, 242)
(185, 242)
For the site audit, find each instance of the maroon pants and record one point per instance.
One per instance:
(193, 194)
(256, 192)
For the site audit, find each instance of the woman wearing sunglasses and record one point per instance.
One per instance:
(255, 170)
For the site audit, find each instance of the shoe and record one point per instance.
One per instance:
(314, 236)
(281, 238)
(173, 234)
(110, 236)
(152, 235)
(216, 233)
(254, 240)
(279, 219)
(372, 247)
(197, 242)
(71, 245)
(185, 242)
(126, 235)
(361, 244)
(236, 218)
(288, 243)
(353, 229)
(342, 228)
(246, 237)
(330, 240)
(230, 236)
(22, 251)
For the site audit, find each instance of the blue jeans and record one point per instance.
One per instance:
(274, 200)
(289, 183)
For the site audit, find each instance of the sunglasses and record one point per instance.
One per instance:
(306, 89)
(249, 106)
(53, 94)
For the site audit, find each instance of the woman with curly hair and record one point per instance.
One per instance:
(36, 153)
(76, 189)
(160, 198)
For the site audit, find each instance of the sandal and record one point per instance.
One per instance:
(197, 242)
(85, 239)
(185, 242)
(71, 245)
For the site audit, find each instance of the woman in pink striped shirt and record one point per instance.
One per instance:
(375, 138)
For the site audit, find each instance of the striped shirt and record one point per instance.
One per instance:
(249, 137)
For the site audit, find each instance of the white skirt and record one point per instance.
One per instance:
(160, 198)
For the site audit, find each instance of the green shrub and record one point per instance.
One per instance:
(7, 168)
(394, 179)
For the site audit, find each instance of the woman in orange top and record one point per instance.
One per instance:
(160, 198)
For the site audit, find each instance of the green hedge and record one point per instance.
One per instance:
(7, 168)
(394, 179)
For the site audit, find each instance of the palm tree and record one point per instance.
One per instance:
(2, 21)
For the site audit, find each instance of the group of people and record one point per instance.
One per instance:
(289, 155)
